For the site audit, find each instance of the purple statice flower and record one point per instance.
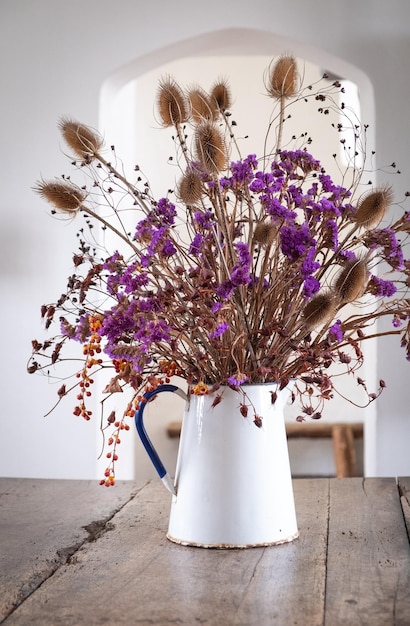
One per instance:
(261, 181)
(295, 240)
(335, 332)
(158, 330)
(149, 305)
(165, 212)
(238, 379)
(243, 253)
(242, 171)
(168, 249)
(332, 238)
(110, 263)
(347, 254)
(195, 246)
(311, 285)
(328, 206)
(132, 279)
(224, 290)
(386, 238)
(240, 274)
(203, 219)
(383, 288)
(291, 160)
(275, 208)
(397, 322)
(221, 328)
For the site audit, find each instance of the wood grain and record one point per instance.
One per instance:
(350, 565)
(368, 563)
(133, 575)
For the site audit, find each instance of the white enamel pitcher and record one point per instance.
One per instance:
(233, 486)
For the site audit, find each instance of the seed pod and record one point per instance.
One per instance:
(190, 188)
(201, 108)
(82, 140)
(264, 233)
(210, 148)
(373, 206)
(352, 280)
(283, 78)
(221, 96)
(171, 103)
(319, 310)
(64, 196)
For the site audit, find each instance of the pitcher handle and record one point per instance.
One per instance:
(139, 423)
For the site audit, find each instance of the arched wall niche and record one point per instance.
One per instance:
(127, 117)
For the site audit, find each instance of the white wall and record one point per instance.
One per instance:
(55, 58)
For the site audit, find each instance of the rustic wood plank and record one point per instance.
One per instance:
(42, 523)
(134, 575)
(368, 572)
(344, 451)
(404, 492)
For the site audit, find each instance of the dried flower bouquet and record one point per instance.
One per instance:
(246, 275)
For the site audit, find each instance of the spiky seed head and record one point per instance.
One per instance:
(264, 233)
(171, 103)
(201, 108)
(319, 310)
(373, 206)
(83, 140)
(351, 282)
(190, 187)
(210, 148)
(64, 196)
(221, 95)
(283, 78)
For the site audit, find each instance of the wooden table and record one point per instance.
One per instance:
(75, 553)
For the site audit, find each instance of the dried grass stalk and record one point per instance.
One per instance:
(64, 196)
(372, 208)
(210, 148)
(283, 78)
(319, 310)
(171, 103)
(352, 280)
(82, 140)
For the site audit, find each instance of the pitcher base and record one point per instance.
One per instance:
(232, 546)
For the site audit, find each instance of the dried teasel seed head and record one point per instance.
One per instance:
(319, 310)
(221, 95)
(83, 141)
(351, 282)
(190, 187)
(264, 233)
(171, 103)
(373, 206)
(64, 196)
(283, 78)
(201, 108)
(210, 148)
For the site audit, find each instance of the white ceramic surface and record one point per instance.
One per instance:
(233, 482)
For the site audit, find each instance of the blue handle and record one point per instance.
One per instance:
(139, 423)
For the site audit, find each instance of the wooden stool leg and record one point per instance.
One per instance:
(344, 451)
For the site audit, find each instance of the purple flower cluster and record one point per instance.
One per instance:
(242, 172)
(383, 288)
(295, 240)
(335, 333)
